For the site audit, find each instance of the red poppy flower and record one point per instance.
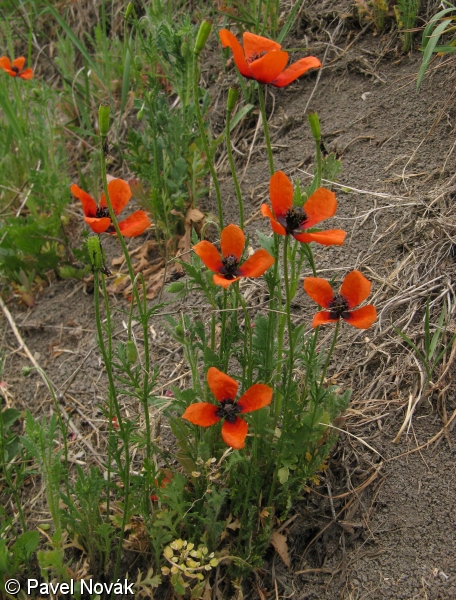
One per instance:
(234, 429)
(226, 267)
(166, 479)
(289, 220)
(264, 60)
(97, 217)
(354, 290)
(15, 69)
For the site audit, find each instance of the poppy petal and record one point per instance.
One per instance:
(234, 434)
(319, 290)
(256, 44)
(19, 62)
(331, 237)
(257, 264)
(221, 385)
(5, 63)
(119, 193)
(209, 255)
(89, 206)
(268, 67)
(355, 288)
(296, 70)
(321, 318)
(201, 413)
(362, 318)
(257, 396)
(12, 73)
(135, 224)
(27, 74)
(276, 226)
(98, 225)
(321, 205)
(230, 40)
(281, 193)
(232, 241)
(221, 280)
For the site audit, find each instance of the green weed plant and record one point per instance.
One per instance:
(254, 426)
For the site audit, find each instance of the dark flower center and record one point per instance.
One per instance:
(338, 307)
(293, 220)
(228, 410)
(102, 211)
(230, 267)
(15, 69)
(255, 56)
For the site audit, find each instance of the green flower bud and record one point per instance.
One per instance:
(104, 112)
(314, 123)
(201, 38)
(233, 95)
(96, 257)
(176, 287)
(131, 352)
(179, 331)
(184, 48)
(129, 10)
(140, 114)
(26, 371)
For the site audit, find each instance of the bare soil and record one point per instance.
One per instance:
(382, 522)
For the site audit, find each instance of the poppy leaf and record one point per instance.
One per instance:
(267, 243)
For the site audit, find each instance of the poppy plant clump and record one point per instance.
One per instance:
(290, 220)
(264, 60)
(226, 266)
(354, 290)
(224, 388)
(97, 217)
(16, 68)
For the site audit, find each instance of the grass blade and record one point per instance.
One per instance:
(430, 47)
(10, 115)
(76, 42)
(126, 76)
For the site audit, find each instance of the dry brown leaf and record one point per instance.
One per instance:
(194, 215)
(279, 542)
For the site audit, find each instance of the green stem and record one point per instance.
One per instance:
(113, 401)
(266, 129)
(233, 169)
(289, 322)
(207, 150)
(248, 340)
(331, 350)
(319, 166)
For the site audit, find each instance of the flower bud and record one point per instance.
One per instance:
(129, 10)
(103, 118)
(26, 371)
(184, 48)
(96, 258)
(131, 352)
(314, 123)
(233, 95)
(201, 38)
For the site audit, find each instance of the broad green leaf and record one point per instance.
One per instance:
(9, 416)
